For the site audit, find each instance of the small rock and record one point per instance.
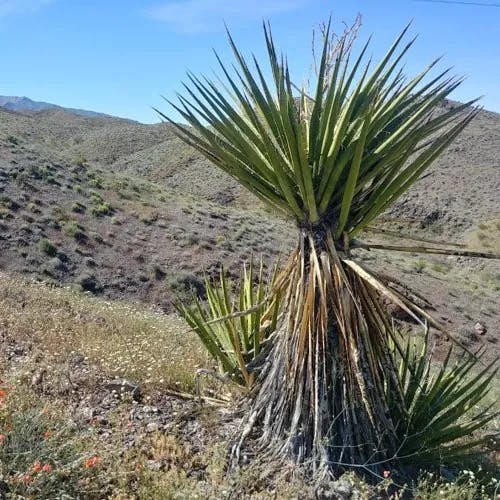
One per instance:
(149, 409)
(124, 387)
(480, 328)
(152, 427)
(335, 490)
(37, 377)
(18, 350)
(84, 413)
(154, 465)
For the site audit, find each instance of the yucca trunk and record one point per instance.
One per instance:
(323, 390)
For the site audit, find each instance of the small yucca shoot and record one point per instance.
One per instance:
(236, 320)
(444, 406)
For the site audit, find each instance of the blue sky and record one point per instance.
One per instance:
(120, 56)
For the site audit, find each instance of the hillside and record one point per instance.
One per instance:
(122, 235)
(127, 211)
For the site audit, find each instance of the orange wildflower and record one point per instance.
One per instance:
(27, 478)
(92, 462)
(47, 434)
(37, 467)
(47, 468)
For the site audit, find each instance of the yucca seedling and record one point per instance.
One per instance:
(236, 321)
(331, 159)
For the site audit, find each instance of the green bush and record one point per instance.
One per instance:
(78, 207)
(47, 247)
(101, 209)
(33, 208)
(74, 230)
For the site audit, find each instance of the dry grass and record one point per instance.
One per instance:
(125, 340)
(154, 349)
(486, 236)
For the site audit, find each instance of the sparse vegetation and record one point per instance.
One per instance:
(419, 265)
(126, 341)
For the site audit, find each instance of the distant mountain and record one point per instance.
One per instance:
(14, 103)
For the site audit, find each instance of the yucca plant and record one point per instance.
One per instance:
(443, 406)
(236, 320)
(332, 159)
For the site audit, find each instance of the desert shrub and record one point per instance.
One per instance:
(149, 219)
(33, 208)
(13, 140)
(419, 265)
(125, 195)
(75, 230)
(97, 237)
(78, 207)
(95, 197)
(101, 209)
(185, 285)
(42, 173)
(88, 282)
(47, 247)
(119, 184)
(80, 160)
(157, 272)
(5, 213)
(96, 182)
(9, 203)
(60, 214)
